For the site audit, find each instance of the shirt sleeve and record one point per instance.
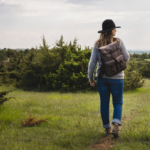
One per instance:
(92, 64)
(124, 51)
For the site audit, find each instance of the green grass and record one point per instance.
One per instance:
(135, 134)
(147, 59)
(74, 120)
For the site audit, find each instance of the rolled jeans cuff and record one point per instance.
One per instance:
(107, 126)
(115, 120)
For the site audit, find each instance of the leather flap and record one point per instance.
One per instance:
(110, 63)
(109, 48)
(119, 59)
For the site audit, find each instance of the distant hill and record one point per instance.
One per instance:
(20, 49)
(138, 51)
(17, 49)
(130, 51)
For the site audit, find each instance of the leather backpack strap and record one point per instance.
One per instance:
(102, 71)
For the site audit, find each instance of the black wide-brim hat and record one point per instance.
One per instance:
(108, 25)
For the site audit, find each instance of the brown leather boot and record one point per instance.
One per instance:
(108, 131)
(115, 130)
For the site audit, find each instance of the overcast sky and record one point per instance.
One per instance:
(23, 22)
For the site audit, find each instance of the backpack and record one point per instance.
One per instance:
(112, 60)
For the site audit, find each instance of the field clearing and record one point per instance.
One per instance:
(74, 120)
(147, 59)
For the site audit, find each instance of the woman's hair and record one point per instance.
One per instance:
(105, 38)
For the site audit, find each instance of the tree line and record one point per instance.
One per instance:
(60, 68)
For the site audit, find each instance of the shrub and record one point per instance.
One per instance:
(133, 78)
(3, 98)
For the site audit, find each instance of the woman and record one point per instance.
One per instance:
(107, 85)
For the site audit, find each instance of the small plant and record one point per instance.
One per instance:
(2, 98)
(31, 121)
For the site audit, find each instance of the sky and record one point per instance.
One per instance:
(23, 23)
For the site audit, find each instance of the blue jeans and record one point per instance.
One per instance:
(105, 87)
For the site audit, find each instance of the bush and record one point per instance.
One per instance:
(2, 98)
(133, 78)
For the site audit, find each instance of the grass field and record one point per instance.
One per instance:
(147, 59)
(74, 121)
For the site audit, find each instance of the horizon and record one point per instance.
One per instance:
(82, 49)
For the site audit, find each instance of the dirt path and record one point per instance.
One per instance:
(108, 142)
(105, 143)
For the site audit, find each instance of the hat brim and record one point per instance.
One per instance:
(103, 31)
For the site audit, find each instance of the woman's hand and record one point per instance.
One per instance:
(92, 83)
